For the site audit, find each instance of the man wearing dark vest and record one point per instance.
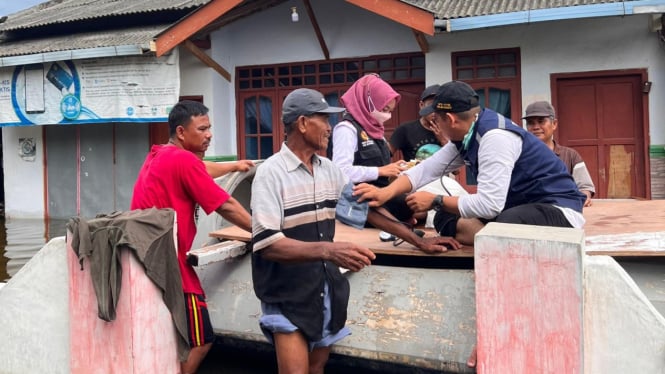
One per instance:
(519, 179)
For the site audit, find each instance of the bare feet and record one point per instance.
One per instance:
(471, 361)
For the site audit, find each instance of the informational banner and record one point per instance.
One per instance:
(97, 90)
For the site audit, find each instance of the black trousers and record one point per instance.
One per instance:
(538, 214)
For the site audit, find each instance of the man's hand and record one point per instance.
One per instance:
(420, 201)
(349, 255)
(587, 202)
(393, 170)
(375, 195)
(438, 244)
(436, 130)
(244, 165)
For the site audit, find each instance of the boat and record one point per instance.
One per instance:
(416, 310)
(411, 311)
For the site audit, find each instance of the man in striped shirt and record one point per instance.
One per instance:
(295, 263)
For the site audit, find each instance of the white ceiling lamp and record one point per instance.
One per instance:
(294, 14)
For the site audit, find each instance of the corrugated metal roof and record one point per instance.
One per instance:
(449, 9)
(63, 11)
(138, 36)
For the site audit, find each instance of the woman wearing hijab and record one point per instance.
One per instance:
(358, 144)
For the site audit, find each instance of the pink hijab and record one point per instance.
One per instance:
(356, 103)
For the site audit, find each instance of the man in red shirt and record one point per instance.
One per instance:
(173, 176)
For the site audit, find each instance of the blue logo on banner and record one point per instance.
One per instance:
(70, 106)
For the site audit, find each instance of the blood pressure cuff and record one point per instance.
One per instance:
(349, 211)
(446, 223)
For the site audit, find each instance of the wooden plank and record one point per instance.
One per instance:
(614, 227)
(196, 51)
(217, 252)
(625, 227)
(368, 237)
(400, 12)
(191, 24)
(317, 29)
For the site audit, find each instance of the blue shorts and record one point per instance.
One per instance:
(273, 321)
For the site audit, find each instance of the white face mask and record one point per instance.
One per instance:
(380, 117)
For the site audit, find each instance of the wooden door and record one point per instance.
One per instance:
(602, 117)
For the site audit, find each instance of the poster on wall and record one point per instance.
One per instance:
(97, 90)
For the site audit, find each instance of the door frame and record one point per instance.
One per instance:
(642, 73)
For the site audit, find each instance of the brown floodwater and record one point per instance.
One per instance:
(20, 239)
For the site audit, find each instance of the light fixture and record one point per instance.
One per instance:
(294, 14)
(646, 87)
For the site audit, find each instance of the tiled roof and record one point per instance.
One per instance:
(62, 11)
(449, 9)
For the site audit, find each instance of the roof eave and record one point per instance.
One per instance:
(551, 14)
(111, 51)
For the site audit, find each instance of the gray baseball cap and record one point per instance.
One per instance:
(305, 102)
(539, 109)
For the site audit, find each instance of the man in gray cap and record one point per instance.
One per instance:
(541, 121)
(295, 263)
(420, 138)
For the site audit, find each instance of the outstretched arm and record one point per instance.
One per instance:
(217, 169)
(380, 219)
(235, 213)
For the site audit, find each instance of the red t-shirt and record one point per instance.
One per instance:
(175, 178)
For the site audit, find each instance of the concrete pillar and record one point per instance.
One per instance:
(142, 338)
(529, 299)
(623, 331)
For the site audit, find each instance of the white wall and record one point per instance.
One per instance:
(196, 79)
(24, 180)
(269, 37)
(566, 46)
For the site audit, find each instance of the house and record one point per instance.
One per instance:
(86, 86)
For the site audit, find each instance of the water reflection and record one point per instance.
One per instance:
(20, 239)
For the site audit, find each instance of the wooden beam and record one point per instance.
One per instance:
(196, 51)
(317, 29)
(422, 42)
(400, 12)
(189, 25)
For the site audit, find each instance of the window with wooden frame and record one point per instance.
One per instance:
(495, 75)
(262, 89)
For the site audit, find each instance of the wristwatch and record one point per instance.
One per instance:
(437, 204)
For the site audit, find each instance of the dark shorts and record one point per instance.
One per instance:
(199, 327)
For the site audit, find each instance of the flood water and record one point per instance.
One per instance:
(20, 239)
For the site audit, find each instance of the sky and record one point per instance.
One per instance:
(8, 7)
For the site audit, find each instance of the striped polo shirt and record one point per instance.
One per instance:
(289, 201)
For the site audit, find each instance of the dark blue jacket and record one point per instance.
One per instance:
(539, 176)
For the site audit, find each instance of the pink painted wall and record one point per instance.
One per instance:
(141, 339)
(529, 299)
